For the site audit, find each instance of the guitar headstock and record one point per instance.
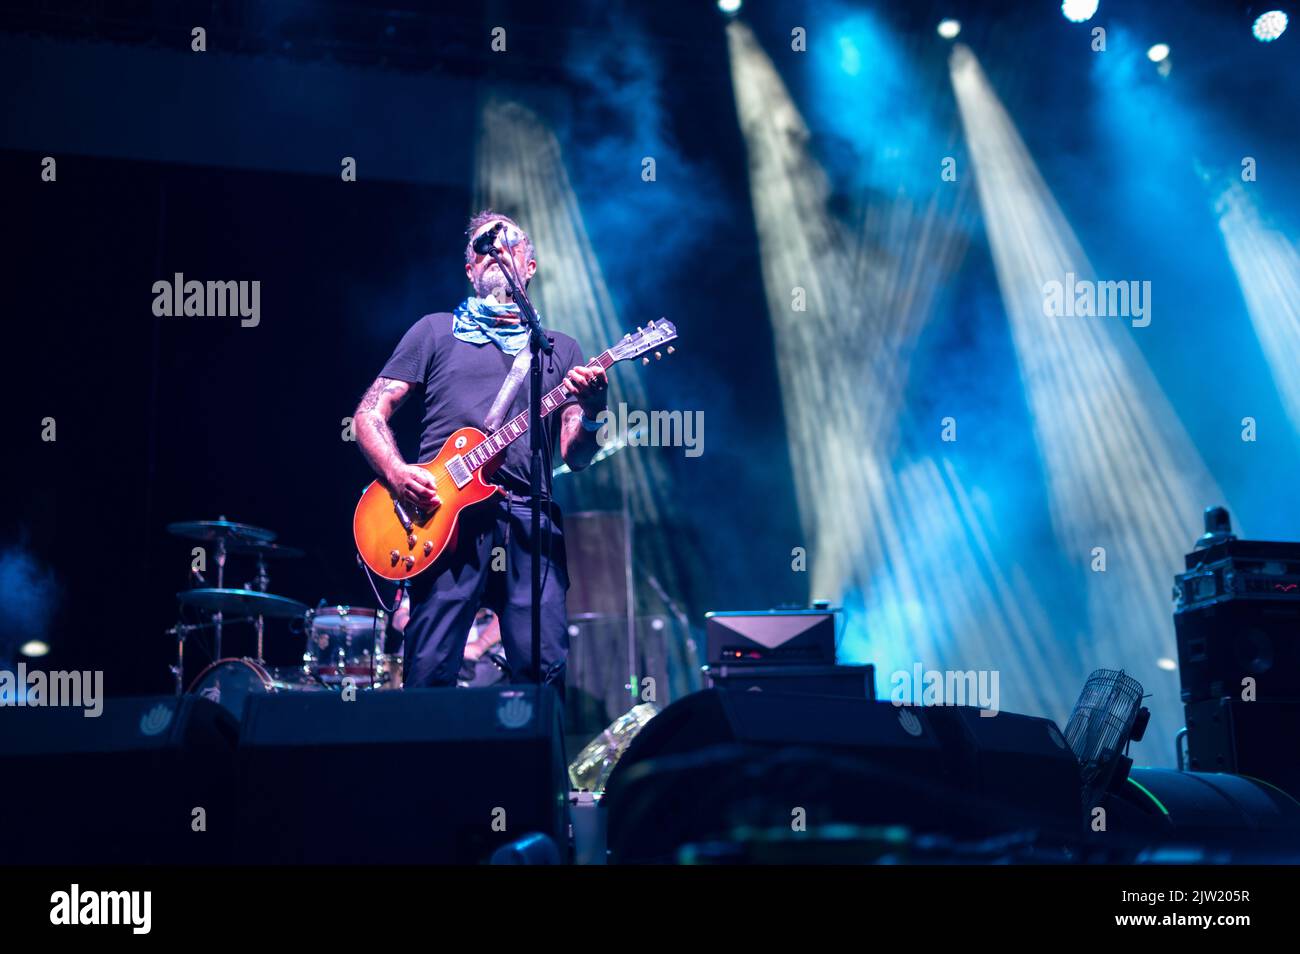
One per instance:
(654, 335)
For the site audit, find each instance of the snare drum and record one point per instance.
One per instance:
(344, 641)
(229, 682)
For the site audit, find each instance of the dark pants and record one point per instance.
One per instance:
(443, 607)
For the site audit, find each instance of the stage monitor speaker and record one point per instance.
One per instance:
(1222, 643)
(1020, 766)
(721, 760)
(1255, 739)
(792, 637)
(147, 781)
(422, 776)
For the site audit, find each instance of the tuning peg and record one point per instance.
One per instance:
(671, 349)
(645, 360)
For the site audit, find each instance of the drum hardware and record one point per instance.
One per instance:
(253, 603)
(220, 531)
(262, 579)
(180, 631)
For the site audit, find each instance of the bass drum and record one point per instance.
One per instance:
(229, 683)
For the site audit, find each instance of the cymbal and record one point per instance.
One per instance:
(220, 530)
(242, 602)
(276, 551)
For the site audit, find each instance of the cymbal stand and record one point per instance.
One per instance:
(221, 583)
(260, 581)
(180, 630)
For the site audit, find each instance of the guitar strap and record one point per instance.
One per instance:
(509, 388)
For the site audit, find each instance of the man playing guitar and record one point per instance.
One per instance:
(461, 360)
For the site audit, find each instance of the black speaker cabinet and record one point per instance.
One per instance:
(419, 776)
(130, 786)
(1256, 739)
(1222, 643)
(721, 761)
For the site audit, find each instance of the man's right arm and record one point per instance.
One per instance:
(412, 484)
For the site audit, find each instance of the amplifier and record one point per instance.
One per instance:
(1237, 615)
(1239, 569)
(851, 682)
(1224, 641)
(803, 637)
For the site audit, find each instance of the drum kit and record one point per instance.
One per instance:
(342, 645)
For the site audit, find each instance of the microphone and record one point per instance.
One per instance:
(487, 239)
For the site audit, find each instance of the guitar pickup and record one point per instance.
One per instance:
(459, 471)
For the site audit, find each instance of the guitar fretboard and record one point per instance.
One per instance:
(517, 426)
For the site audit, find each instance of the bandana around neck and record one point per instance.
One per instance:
(479, 321)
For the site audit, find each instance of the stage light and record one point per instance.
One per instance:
(899, 541)
(1269, 26)
(1268, 270)
(729, 7)
(34, 648)
(1158, 53)
(850, 56)
(1078, 11)
(1125, 483)
(948, 29)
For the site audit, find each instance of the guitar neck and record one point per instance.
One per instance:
(517, 426)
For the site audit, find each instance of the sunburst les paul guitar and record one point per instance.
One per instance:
(399, 542)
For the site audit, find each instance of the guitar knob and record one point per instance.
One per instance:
(658, 355)
(671, 349)
(410, 540)
(393, 555)
(409, 561)
(645, 360)
(428, 547)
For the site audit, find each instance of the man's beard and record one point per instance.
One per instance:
(492, 283)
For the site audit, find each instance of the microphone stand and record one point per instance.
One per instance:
(539, 344)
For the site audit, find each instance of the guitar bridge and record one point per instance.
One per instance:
(459, 471)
